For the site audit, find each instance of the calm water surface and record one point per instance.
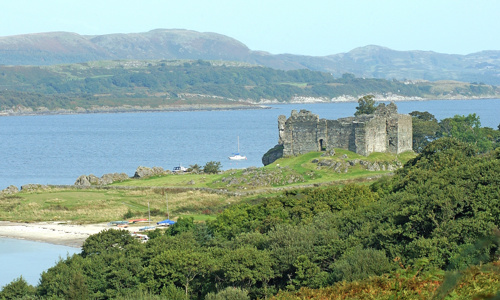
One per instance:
(29, 259)
(58, 149)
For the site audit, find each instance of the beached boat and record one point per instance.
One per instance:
(141, 237)
(179, 168)
(166, 222)
(147, 228)
(116, 223)
(138, 221)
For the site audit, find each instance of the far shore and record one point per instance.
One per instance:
(58, 233)
(126, 109)
(211, 107)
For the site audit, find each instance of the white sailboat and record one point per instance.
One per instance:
(237, 155)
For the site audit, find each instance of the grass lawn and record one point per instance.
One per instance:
(96, 206)
(200, 196)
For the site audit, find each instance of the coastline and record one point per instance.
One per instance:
(42, 111)
(57, 233)
(264, 104)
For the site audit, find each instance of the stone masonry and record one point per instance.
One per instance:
(383, 131)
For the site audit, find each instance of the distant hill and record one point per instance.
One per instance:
(370, 61)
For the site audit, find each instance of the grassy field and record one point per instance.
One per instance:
(200, 196)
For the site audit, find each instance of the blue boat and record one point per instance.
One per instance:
(146, 228)
(166, 222)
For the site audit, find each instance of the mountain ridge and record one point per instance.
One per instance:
(372, 61)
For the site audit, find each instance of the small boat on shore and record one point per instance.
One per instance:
(180, 168)
(166, 222)
(138, 221)
(141, 237)
(147, 228)
(117, 223)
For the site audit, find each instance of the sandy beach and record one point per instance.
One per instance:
(51, 232)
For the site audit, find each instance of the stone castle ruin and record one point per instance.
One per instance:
(383, 131)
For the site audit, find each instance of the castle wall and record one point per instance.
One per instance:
(340, 133)
(384, 131)
(374, 137)
(300, 133)
(405, 133)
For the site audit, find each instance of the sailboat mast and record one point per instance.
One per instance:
(166, 198)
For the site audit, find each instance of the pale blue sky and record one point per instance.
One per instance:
(313, 27)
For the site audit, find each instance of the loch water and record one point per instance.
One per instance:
(29, 259)
(56, 149)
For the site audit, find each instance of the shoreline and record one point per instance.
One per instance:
(125, 109)
(208, 107)
(57, 233)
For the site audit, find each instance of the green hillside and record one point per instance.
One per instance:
(430, 231)
(172, 83)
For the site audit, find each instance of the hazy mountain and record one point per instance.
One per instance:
(370, 61)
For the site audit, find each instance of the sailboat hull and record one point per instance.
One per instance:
(237, 157)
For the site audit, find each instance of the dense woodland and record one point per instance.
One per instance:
(156, 83)
(439, 213)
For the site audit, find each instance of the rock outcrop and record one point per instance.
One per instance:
(89, 180)
(33, 187)
(10, 190)
(143, 172)
(272, 155)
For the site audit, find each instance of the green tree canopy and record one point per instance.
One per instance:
(366, 105)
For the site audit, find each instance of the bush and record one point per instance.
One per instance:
(212, 167)
(230, 293)
(358, 264)
(129, 214)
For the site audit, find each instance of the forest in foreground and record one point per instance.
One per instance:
(431, 230)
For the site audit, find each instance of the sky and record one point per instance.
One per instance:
(313, 27)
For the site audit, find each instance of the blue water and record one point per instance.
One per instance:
(57, 149)
(29, 259)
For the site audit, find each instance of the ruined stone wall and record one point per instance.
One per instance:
(405, 133)
(374, 136)
(384, 131)
(340, 133)
(300, 133)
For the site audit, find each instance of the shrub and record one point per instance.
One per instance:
(358, 263)
(212, 167)
(230, 293)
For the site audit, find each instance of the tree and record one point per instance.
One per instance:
(212, 167)
(425, 129)
(107, 241)
(194, 168)
(17, 289)
(466, 129)
(247, 267)
(182, 225)
(177, 266)
(366, 105)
